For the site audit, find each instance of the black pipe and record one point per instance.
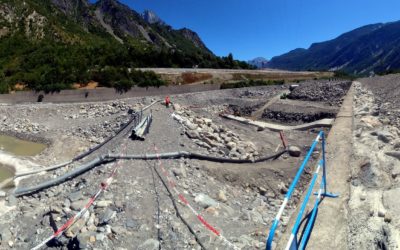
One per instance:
(84, 154)
(76, 172)
(190, 155)
(108, 158)
(135, 117)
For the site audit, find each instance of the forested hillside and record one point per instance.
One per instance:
(51, 44)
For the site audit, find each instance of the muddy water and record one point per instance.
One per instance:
(17, 147)
(6, 175)
(20, 147)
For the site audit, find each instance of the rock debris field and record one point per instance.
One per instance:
(143, 207)
(374, 207)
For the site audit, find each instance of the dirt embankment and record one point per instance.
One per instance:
(190, 76)
(329, 92)
(374, 218)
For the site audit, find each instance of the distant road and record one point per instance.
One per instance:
(101, 94)
(221, 71)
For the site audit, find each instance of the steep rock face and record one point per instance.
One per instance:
(122, 19)
(76, 21)
(7, 17)
(7, 13)
(77, 10)
(152, 18)
(371, 48)
(27, 21)
(193, 37)
(34, 25)
(126, 23)
(71, 7)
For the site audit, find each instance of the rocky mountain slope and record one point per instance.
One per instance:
(151, 17)
(371, 48)
(51, 44)
(81, 19)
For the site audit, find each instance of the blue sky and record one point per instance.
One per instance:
(251, 28)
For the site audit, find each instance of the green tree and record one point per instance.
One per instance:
(4, 88)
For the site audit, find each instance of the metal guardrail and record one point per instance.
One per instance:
(293, 243)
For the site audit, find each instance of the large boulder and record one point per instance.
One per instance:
(384, 136)
(395, 154)
(294, 151)
(193, 134)
(205, 201)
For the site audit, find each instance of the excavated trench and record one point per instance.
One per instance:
(306, 103)
(295, 118)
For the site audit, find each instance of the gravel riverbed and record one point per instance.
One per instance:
(137, 211)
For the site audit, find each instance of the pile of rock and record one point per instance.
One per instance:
(215, 138)
(97, 133)
(239, 110)
(21, 125)
(386, 91)
(252, 93)
(97, 110)
(328, 92)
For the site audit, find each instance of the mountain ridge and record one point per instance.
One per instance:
(368, 49)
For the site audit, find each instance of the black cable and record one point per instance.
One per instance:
(177, 210)
(158, 204)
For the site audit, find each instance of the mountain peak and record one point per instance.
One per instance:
(151, 17)
(194, 38)
(259, 62)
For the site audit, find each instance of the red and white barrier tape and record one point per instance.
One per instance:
(172, 185)
(103, 187)
(283, 139)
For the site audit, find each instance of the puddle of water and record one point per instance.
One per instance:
(16, 147)
(6, 175)
(20, 147)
